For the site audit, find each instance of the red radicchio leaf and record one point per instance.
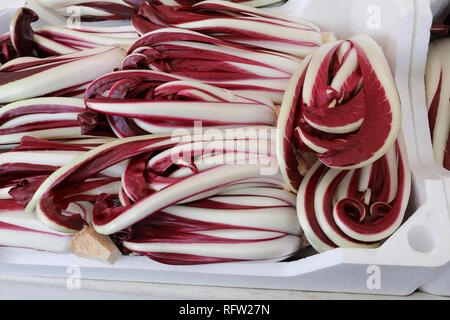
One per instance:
(94, 124)
(24, 190)
(22, 35)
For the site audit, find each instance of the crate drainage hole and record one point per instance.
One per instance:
(421, 239)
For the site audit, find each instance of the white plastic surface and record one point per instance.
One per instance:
(406, 261)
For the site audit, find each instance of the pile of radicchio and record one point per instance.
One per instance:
(99, 141)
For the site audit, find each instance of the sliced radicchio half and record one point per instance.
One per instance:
(437, 86)
(355, 208)
(342, 104)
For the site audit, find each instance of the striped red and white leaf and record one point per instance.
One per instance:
(358, 207)
(23, 230)
(98, 10)
(342, 104)
(204, 58)
(137, 101)
(93, 10)
(43, 118)
(23, 40)
(24, 168)
(251, 3)
(156, 174)
(65, 75)
(62, 39)
(19, 41)
(251, 27)
(437, 87)
(251, 224)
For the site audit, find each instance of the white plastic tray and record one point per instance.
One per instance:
(440, 283)
(409, 259)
